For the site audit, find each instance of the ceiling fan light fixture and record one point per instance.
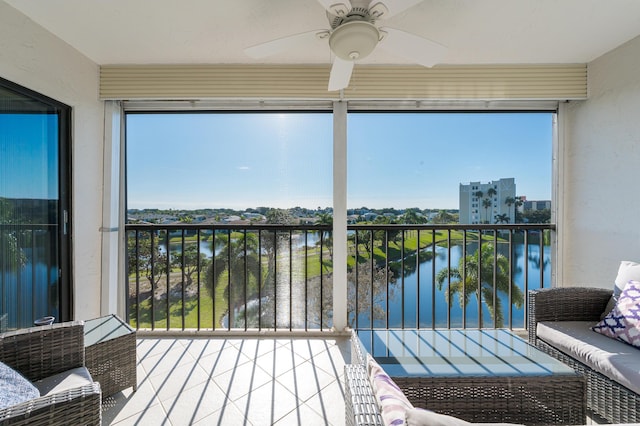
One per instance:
(354, 40)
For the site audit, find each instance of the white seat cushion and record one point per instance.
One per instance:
(63, 381)
(612, 358)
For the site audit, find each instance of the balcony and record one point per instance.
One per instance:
(595, 229)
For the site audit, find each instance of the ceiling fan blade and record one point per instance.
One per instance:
(284, 44)
(340, 74)
(336, 7)
(412, 47)
(393, 7)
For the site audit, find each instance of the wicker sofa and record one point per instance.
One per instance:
(559, 324)
(52, 358)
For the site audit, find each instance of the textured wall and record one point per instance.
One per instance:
(599, 223)
(34, 58)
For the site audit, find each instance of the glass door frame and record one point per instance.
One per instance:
(64, 237)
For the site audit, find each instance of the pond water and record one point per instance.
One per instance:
(407, 290)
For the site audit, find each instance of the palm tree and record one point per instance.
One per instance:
(491, 192)
(518, 202)
(509, 201)
(412, 216)
(443, 217)
(501, 218)
(486, 203)
(464, 281)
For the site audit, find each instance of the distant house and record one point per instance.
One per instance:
(254, 216)
(231, 218)
(370, 216)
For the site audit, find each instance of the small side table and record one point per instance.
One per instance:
(110, 353)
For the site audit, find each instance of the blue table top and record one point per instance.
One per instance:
(456, 353)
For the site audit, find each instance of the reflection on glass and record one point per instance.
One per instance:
(29, 177)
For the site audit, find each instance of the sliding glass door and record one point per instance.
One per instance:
(34, 208)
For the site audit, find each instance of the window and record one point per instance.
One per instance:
(235, 175)
(425, 162)
(34, 208)
(232, 167)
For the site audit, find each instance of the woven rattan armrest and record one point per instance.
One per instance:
(360, 403)
(40, 352)
(76, 406)
(565, 304)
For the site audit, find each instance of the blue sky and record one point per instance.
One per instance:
(242, 160)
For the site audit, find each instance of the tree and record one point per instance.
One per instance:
(443, 216)
(502, 218)
(185, 219)
(280, 217)
(518, 201)
(12, 257)
(412, 216)
(478, 194)
(468, 270)
(491, 192)
(146, 258)
(190, 261)
(486, 203)
(510, 201)
(326, 219)
(536, 216)
(370, 290)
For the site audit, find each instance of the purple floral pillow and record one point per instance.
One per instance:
(623, 322)
(392, 402)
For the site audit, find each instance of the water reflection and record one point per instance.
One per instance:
(425, 305)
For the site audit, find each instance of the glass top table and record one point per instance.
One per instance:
(441, 353)
(103, 329)
(110, 353)
(481, 376)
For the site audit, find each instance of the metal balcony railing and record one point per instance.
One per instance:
(280, 277)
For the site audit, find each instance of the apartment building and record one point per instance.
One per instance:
(488, 202)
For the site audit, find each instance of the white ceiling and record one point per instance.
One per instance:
(217, 31)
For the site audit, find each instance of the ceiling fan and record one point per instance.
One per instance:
(354, 34)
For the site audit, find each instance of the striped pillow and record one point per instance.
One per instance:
(393, 404)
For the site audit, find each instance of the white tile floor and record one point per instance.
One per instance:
(234, 381)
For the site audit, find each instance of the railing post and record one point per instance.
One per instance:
(340, 216)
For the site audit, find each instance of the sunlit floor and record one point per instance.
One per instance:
(234, 381)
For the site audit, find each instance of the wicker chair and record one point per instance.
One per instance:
(605, 397)
(361, 408)
(41, 352)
